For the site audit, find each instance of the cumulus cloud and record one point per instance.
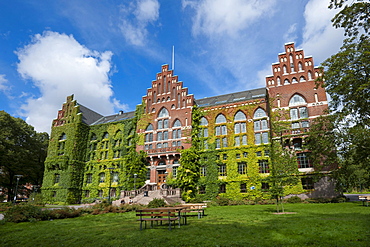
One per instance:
(226, 17)
(134, 28)
(320, 38)
(291, 34)
(60, 66)
(4, 84)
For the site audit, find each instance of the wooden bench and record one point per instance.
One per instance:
(364, 199)
(193, 209)
(158, 215)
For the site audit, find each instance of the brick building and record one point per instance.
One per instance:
(234, 131)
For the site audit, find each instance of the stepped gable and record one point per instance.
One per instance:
(232, 97)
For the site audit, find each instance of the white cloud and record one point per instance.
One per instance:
(320, 38)
(291, 34)
(3, 84)
(59, 66)
(227, 17)
(134, 28)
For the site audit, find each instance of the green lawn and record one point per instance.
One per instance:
(341, 224)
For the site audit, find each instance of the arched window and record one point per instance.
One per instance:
(163, 113)
(300, 66)
(220, 119)
(259, 113)
(105, 135)
(302, 79)
(203, 121)
(294, 80)
(297, 100)
(284, 69)
(278, 81)
(177, 123)
(286, 81)
(149, 128)
(102, 177)
(309, 74)
(240, 116)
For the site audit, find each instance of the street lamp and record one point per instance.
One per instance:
(135, 175)
(110, 182)
(16, 188)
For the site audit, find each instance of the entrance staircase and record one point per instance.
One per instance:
(147, 193)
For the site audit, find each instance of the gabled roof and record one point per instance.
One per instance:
(232, 97)
(114, 118)
(89, 116)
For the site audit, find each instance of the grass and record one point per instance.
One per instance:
(340, 224)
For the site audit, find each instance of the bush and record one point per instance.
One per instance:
(294, 199)
(222, 201)
(5, 206)
(63, 213)
(23, 213)
(156, 203)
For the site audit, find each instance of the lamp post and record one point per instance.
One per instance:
(135, 175)
(110, 182)
(16, 188)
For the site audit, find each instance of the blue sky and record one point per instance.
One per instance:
(107, 53)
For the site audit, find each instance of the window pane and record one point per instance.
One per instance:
(160, 124)
(264, 124)
(237, 141)
(218, 130)
(165, 135)
(295, 125)
(303, 112)
(237, 128)
(293, 114)
(165, 123)
(205, 132)
(203, 121)
(177, 123)
(257, 125)
(159, 136)
(259, 113)
(224, 142)
(220, 119)
(244, 140)
(218, 143)
(163, 113)
(257, 137)
(223, 130)
(243, 127)
(265, 137)
(239, 116)
(305, 124)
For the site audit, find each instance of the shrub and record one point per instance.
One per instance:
(222, 201)
(63, 213)
(156, 203)
(294, 199)
(23, 212)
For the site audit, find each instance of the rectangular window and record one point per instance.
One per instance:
(165, 135)
(223, 130)
(295, 126)
(222, 188)
(224, 142)
(218, 143)
(243, 127)
(224, 156)
(218, 130)
(303, 113)
(242, 168)
(203, 171)
(244, 140)
(264, 124)
(159, 136)
(100, 193)
(174, 144)
(243, 188)
(265, 137)
(305, 124)
(307, 183)
(89, 178)
(263, 166)
(87, 193)
(115, 177)
(294, 114)
(265, 187)
(222, 170)
(205, 132)
(179, 133)
(257, 125)
(303, 161)
(165, 123)
(165, 144)
(160, 124)
(159, 145)
(148, 174)
(205, 144)
(56, 178)
(257, 138)
(174, 171)
(237, 128)
(179, 143)
(237, 141)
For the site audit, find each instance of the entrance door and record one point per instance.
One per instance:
(161, 178)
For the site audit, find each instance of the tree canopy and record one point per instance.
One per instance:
(22, 152)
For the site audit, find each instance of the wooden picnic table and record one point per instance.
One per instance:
(166, 214)
(364, 199)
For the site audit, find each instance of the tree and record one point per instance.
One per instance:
(22, 152)
(188, 173)
(134, 163)
(347, 81)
